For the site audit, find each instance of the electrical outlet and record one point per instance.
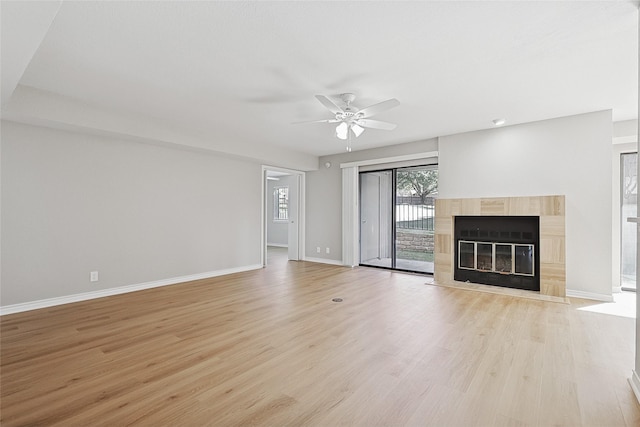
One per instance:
(328, 251)
(93, 276)
(318, 249)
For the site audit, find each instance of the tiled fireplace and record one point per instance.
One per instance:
(515, 242)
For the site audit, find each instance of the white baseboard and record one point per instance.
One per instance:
(324, 261)
(50, 302)
(278, 245)
(589, 295)
(634, 381)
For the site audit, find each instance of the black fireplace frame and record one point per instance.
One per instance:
(519, 230)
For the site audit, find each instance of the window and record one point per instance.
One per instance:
(281, 203)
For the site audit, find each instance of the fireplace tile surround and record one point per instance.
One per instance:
(550, 209)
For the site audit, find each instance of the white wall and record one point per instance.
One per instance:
(567, 156)
(625, 131)
(73, 203)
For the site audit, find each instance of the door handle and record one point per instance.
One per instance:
(633, 219)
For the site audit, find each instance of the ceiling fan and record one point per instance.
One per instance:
(353, 119)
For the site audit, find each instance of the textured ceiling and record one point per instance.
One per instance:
(241, 72)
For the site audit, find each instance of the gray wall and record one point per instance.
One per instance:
(73, 203)
(569, 156)
(324, 195)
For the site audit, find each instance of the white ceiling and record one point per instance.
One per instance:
(237, 74)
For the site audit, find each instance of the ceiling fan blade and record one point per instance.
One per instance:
(329, 104)
(380, 107)
(317, 121)
(375, 124)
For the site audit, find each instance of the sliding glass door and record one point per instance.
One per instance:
(628, 209)
(376, 192)
(397, 218)
(415, 210)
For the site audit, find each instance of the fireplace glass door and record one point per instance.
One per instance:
(504, 258)
(467, 255)
(485, 256)
(524, 259)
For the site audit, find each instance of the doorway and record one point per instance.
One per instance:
(282, 214)
(397, 209)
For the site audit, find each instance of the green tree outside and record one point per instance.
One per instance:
(421, 183)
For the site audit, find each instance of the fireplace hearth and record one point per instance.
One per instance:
(498, 250)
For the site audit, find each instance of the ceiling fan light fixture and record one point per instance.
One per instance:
(341, 130)
(357, 130)
(351, 119)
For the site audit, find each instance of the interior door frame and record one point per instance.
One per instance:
(300, 220)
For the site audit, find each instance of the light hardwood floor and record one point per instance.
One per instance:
(270, 347)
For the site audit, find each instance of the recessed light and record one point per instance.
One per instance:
(499, 122)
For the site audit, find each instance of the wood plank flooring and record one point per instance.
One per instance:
(270, 347)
